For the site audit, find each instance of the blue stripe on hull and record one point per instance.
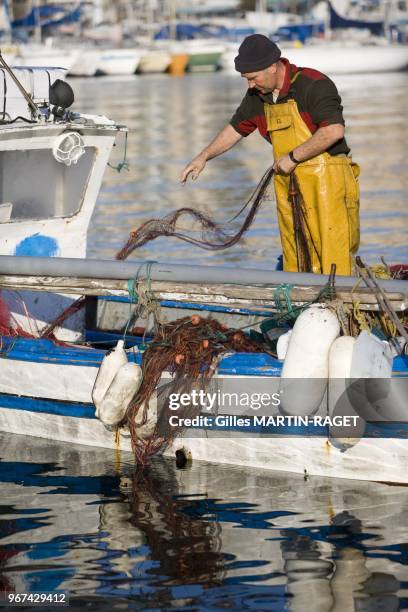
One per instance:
(192, 306)
(398, 430)
(34, 404)
(45, 351)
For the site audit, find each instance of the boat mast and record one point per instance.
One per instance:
(37, 22)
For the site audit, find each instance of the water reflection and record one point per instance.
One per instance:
(171, 119)
(207, 536)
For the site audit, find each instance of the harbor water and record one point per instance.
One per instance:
(86, 521)
(172, 119)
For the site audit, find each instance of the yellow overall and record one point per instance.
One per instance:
(330, 193)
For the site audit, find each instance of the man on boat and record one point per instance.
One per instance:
(299, 111)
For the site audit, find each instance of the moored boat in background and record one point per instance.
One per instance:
(338, 57)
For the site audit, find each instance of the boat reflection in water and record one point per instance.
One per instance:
(81, 521)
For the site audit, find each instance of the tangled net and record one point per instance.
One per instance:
(190, 349)
(175, 536)
(304, 262)
(213, 236)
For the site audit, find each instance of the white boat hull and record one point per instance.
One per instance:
(154, 62)
(381, 460)
(43, 399)
(87, 64)
(333, 59)
(119, 62)
(44, 56)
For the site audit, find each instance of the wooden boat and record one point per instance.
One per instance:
(46, 385)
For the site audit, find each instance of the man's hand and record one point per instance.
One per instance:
(284, 165)
(195, 167)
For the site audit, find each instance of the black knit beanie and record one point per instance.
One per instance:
(256, 53)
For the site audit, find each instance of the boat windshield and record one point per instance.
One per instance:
(33, 185)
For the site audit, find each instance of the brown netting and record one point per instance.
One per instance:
(187, 547)
(299, 224)
(213, 235)
(190, 349)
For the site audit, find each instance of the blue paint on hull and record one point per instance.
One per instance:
(37, 245)
(45, 406)
(395, 430)
(45, 351)
(192, 306)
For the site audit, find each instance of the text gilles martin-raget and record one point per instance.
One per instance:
(254, 401)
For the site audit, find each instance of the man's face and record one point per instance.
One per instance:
(264, 81)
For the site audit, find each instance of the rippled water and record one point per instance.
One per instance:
(209, 537)
(172, 119)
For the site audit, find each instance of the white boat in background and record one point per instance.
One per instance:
(340, 58)
(37, 55)
(9, 52)
(204, 54)
(333, 57)
(87, 63)
(119, 61)
(154, 61)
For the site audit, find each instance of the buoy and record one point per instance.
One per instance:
(114, 404)
(111, 363)
(282, 345)
(340, 358)
(371, 369)
(376, 395)
(306, 367)
(372, 357)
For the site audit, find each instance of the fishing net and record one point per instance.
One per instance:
(213, 235)
(186, 545)
(299, 225)
(190, 350)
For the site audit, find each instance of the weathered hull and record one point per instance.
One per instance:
(45, 391)
(376, 459)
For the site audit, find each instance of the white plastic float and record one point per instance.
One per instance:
(306, 366)
(340, 359)
(115, 385)
(110, 365)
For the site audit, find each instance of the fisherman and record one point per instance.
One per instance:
(299, 111)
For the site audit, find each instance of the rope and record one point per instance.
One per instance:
(283, 291)
(360, 317)
(123, 165)
(380, 272)
(343, 317)
(140, 292)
